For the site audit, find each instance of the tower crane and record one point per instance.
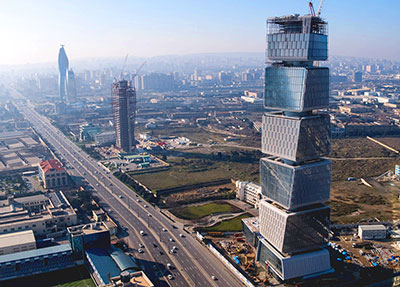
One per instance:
(312, 11)
(311, 7)
(123, 66)
(319, 8)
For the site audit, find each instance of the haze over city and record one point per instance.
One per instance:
(33, 30)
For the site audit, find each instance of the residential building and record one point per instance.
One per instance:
(53, 174)
(124, 110)
(248, 192)
(71, 86)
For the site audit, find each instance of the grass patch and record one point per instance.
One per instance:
(71, 277)
(194, 171)
(199, 211)
(78, 283)
(229, 225)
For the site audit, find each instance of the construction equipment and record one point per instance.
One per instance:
(312, 11)
(311, 7)
(123, 66)
(138, 70)
(319, 8)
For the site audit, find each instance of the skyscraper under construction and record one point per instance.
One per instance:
(295, 179)
(123, 97)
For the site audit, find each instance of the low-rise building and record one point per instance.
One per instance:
(45, 217)
(248, 192)
(105, 138)
(372, 232)
(17, 242)
(251, 229)
(53, 174)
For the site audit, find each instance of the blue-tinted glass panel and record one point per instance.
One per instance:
(296, 88)
(293, 187)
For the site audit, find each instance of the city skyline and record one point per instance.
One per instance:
(177, 28)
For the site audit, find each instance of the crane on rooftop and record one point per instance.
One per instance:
(312, 11)
(319, 8)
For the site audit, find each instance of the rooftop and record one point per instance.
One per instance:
(252, 223)
(16, 238)
(50, 165)
(32, 198)
(373, 227)
(103, 263)
(35, 253)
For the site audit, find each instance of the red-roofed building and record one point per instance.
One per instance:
(53, 174)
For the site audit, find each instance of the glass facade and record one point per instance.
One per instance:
(295, 181)
(297, 47)
(292, 232)
(295, 186)
(296, 139)
(306, 230)
(62, 76)
(296, 88)
(267, 256)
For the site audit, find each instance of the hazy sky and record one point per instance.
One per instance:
(32, 30)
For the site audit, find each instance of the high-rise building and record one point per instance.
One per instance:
(124, 110)
(295, 179)
(356, 76)
(62, 77)
(71, 86)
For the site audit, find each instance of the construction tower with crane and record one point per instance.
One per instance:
(294, 176)
(123, 101)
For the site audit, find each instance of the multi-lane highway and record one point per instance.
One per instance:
(192, 263)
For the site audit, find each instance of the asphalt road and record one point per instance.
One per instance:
(193, 263)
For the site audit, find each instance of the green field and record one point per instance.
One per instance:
(229, 225)
(185, 171)
(72, 277)
(79, 283)
(199, 211)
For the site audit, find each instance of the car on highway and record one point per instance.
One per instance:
(140, 250)
(138, 200)
(120, 196)
(213, 277)
(181, 235)
(164, 230)
(142, 232)
(145, 206)
(148, 214)
(141, 245)
(171, 240)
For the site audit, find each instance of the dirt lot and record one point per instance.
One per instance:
(205, 193)
(353, 202)
(392, 142)
(358, 147)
